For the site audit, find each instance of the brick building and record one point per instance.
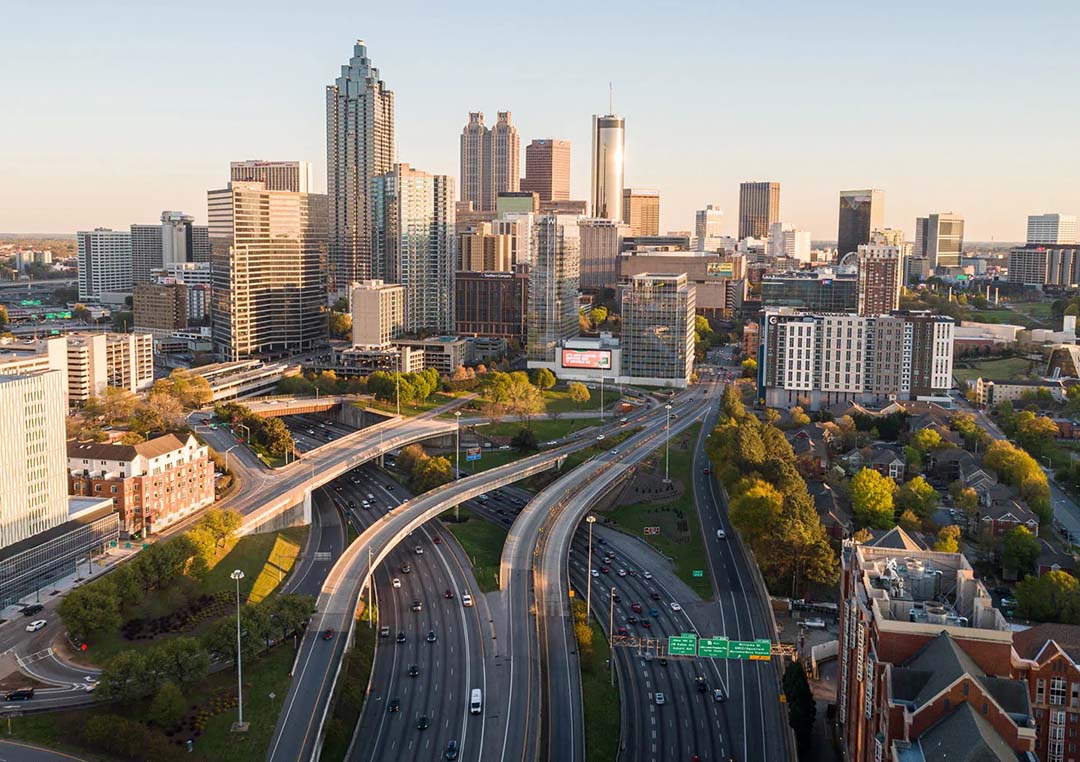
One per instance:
(1047, 658)
(153, 484)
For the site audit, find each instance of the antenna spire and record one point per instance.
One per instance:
(610, 98)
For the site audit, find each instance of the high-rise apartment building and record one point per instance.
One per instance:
(881, 273)
(359, 148)
(267, 254)
(1052, 229)
(547, 169)
(553, 285)
(608, 139)
(759, 207)
(940, 238)
(1057, 267)
(160, 309)
(90, 362)
(292, 176)
(490, 160)
(413, 227)
(601, 241)
(861, 211)
(33, 487)
(492, 303)
(641, 211)
(789, 241)
(481, 250)
(378, 312)
(708, 223)
(147, 242)
(658, 312)
(104, 262)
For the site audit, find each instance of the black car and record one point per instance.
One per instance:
(401, 637)
(32, 609)
(417, 606)
(414, 671)
(431, 638)
(423, 723)
(616, 597)
(394, 705)
(452, 750)
(701, 685)
(405, 568)
(19, 694)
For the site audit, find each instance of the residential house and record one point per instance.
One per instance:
(837, 521)
(1052, 559)
(888, 461)
(1047, 658)
(811, 445)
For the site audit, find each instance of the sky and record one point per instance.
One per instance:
(115, 110)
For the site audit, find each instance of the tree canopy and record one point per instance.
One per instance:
(872, 499)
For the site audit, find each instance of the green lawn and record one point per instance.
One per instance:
(1037, 311)
(601, 701)
(409, 409)
(483, 544)
(996, 370)
(544, 429)
(680, 531)
(350, 693)
(558, 400)
(997, 316)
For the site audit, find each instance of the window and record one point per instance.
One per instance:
(1057, 691)
(1074, 700)
(1040, 691)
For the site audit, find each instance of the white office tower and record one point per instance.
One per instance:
(1051, 229)
(708, 226)
(378, 312)
(553, 285)
(292, 176)
(33, 457)
(176, 237)
(789, 241)
(608, 135)
(104, 263)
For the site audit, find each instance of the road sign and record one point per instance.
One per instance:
(472, 453)
(652, 530)
(698, 573)
(713, 648)
(754, 650)
(682, 645)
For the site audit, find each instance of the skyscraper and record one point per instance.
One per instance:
(277, 175)
(547, 169)
(641, 211)
(759, 207)
(413, 234)
(104, 262)
(881, 274)
(359, 147)
(553, 285)
(146, 252)
(490, 160)
(789, 241)
(1052, 229)
(600, 244)
(608, 137)
(709, 222)
(177, 238)
(267, 252)
(658, 328)
(940, 239)
(861, 211)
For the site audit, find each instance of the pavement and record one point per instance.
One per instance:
(14, 751)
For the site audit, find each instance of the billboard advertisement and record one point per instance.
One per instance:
(594, 359)
(720, 269)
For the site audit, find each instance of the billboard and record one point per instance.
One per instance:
(595, 359)
(720, 269)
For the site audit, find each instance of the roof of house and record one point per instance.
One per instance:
(885, 454)
(895, 538)
(1051, 556)
(1029, 643)
(1009, 511)
(964, 735)
(122, 452)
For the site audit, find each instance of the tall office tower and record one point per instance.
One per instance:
(378, 312)
(177, 238)
(940, 238)
(267, 252)
(492, 303)
(200, 244)
(608, 138)
(33, 459)
(490, 160)
(601, 241)
(519, 227)
(889, 237)
(641, 211)
(147, 254)
(292, 176)
(658, 328)
(480, 250)
(789, 241)
(104, 262)
(709, 223)
(160, 309)
(759, 207)
(860, 212)
(516, 202)
(881, 274)
(1052, 229)
(553, 285)
(547, 169)
(359, 148)
(413, 234)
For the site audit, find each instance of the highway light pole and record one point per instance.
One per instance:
(611, 633)
(457, 458)
(601, 398)
(588, 582)
(238, 575)
(227, 456)
(397, 379)
(370, 618)
(667, 445)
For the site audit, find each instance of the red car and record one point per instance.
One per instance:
(438, 540)
(449, 594)
(635, 607)
(604, 569)
(328, 633)
(706, 470)
(646, 624)
(623, 631)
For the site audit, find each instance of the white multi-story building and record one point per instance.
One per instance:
(708, 223)
(789, 241)
(292, 176)
(1052, 229)
(519, 226)
(105, 264)
(378, 312)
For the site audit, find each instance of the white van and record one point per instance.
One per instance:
(476, 701)
(466, 600)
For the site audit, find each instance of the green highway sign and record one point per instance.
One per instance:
(755, 650)
(698, 573)
(682, 645)
(713, 648)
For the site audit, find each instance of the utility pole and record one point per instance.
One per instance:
(611, 632)
(457, 459)
(667, 445)
(239, 727)
(590, 520)
(370, 580)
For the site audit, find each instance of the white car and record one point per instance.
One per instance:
(599, 437)
(466, 600)
(36, 625)
(622, 572)
(648, 575)
(419, 551)
(660, 699)
(721, 534)
(595, 573)
(396, 582)
(675, 606)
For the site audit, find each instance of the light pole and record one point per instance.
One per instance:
(601, 398)
(370, 580)
(244, 426)
(611, 632)
(227, 456)
(240, 727)
(397, 379)
(457, 459)
(590, 520)
(667, 445)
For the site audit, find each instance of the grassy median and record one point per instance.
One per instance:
(350, 692)
(482, 542)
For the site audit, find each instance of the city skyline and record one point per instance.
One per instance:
(158, 154)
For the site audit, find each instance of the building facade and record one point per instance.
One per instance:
(1056, 267)
(547, 169)
(160, 308)
(606, 175)
(823, 290)
(147, 255)
(658, 329)
(359, 148)
(105, 264)
(788, 241)
(490, 160)
(861, 212)
(880, 271)
(492, 303)
(481, 250)
(292, 176)
(553, 285)
(719, 280)
(378, 312)
(940, 238)
(1052, 229)
(759, 207)
(600, 243)
(641, 211)
(268, 250)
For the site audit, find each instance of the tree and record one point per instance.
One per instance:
(180, 660)
(967, 500)
(222, 524)
(948, 539)
(872, 499)
(290, 612)
(117, 405)
(702, 328)
(799, 418)
(168, 705)
(862, 535)
(579, 393)
(755, 509)
(802, 710)
(340, 325)
(543, 378)
(1020, 550)
(126, 677)
(160, 412)
(731, 404)
(598, 315)
(431, 473)
(918, 496)
(749, 448)
(91, 609)
(1033, 432)
(925, 440)
(1052, 597)
(525, 441)
(910, 522)
(749, 368)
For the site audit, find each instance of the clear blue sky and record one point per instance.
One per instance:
(115, 110)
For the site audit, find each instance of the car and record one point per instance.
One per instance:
(32, 609)
(646, 624)
(721, 534)
(604, 570)
(504, 447)
(624, 419)
(635, 607)
(311, 432)
(395, 582)
(90, 679)
(622, 572)
(631, 619)
(616, 597)
(595, 573)
(90, 687)
(551, 442)
(394, 705)
(36, 625)
(414, 671)
(466, 600)
(706, 470)
(648, 656)
(431, 637)
(452, 750)
(405, 568)
(675, 606)
(482, 498)
(423, 723)
(662, 662)
(437, 540)
(654, 613)
(632, 572)
(448, 594)
(700, 684)
(654, 595)
(384, 632)
(401, 637)
(370, 496)
(718, 695)
(419, 550)
(647, 575)
(814, 623)
(599, 437)
(614, 450)
(328, 633)
(660, 699)
(417, 606)
(19, 694)
(623, 631)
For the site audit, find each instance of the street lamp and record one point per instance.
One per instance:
(611, 632)
(227, 455)
(590, 520)
(667, 445)
(457, 459)
(238, 575)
